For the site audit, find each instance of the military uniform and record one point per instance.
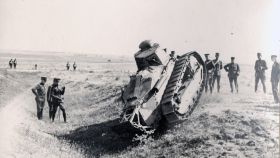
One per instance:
(40, 92)
(68, 66)
(209, 74)
(233, 72)
(260, 67)
(218, 66)
(55, 98)
(11, 63)
(74, 66)
(275, 75)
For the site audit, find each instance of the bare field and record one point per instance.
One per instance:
(223, 124)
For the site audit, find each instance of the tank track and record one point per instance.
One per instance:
(168, 101)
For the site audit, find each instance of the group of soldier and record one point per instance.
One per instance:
(54, 97)
(13, 63)
(68, 66)
(214, 67)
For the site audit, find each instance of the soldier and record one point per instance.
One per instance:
(209, 73)
(56, 99)
(11, 63)
(275, 76)
(260, 67)
(233, 72)
(218, 66)
(40, 91)
(67, 65)
(15, 63)
(74, 66)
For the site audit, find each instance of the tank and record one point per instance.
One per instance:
(166, 87)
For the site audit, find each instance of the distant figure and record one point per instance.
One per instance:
(233, 72)
(218, 66)
(35, 66)
(15, 63)
(55, 98)
(40, 92)
(67, 66)
(260, 67)
(74, 66)
(209, 73)
(11, 63)
(275, 77)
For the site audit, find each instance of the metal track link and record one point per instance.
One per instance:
(168, 103)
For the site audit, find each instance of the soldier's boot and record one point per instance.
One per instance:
(50, 114)
(219, 88)
(64, 115)
(264, 88)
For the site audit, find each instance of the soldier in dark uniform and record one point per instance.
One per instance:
(74, 66)
(209, 73)
(40, 92)
(55, 97)
(15, 63)
(233, 72)
(218, 66)
(67, 66)
(260, 67)
(11, 63)
(275, 76)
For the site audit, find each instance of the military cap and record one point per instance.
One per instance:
(259, 53)
(43, 78)
(206, 54)
(217, 53)
(56, 79)
(232, 58)
(273, 56)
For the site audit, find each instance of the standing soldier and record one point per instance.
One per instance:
(275, 76)
(67, 65)
(218, 66)
(55, 97)
(40, 91)
(209, 73)
(260, 67)
(11, 63)
(74, 66)
(233, 72)
(15, 63)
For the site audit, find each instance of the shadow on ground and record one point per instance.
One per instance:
(98, 139)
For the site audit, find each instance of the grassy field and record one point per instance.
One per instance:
(223, 124)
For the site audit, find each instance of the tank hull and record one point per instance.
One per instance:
(167, 92)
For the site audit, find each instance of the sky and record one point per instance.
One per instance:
(239, 28)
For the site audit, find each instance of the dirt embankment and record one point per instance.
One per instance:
(13, 83)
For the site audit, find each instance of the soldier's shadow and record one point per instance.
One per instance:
(99, 139)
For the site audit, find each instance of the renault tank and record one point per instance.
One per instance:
(166, 87)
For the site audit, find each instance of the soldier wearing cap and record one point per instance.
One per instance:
(74, 66)
(275, 77)
(209, 73)
(260, 67)
(55, 98)
(40, 91)
(218, 66)
(67, 65)
(233, 72)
